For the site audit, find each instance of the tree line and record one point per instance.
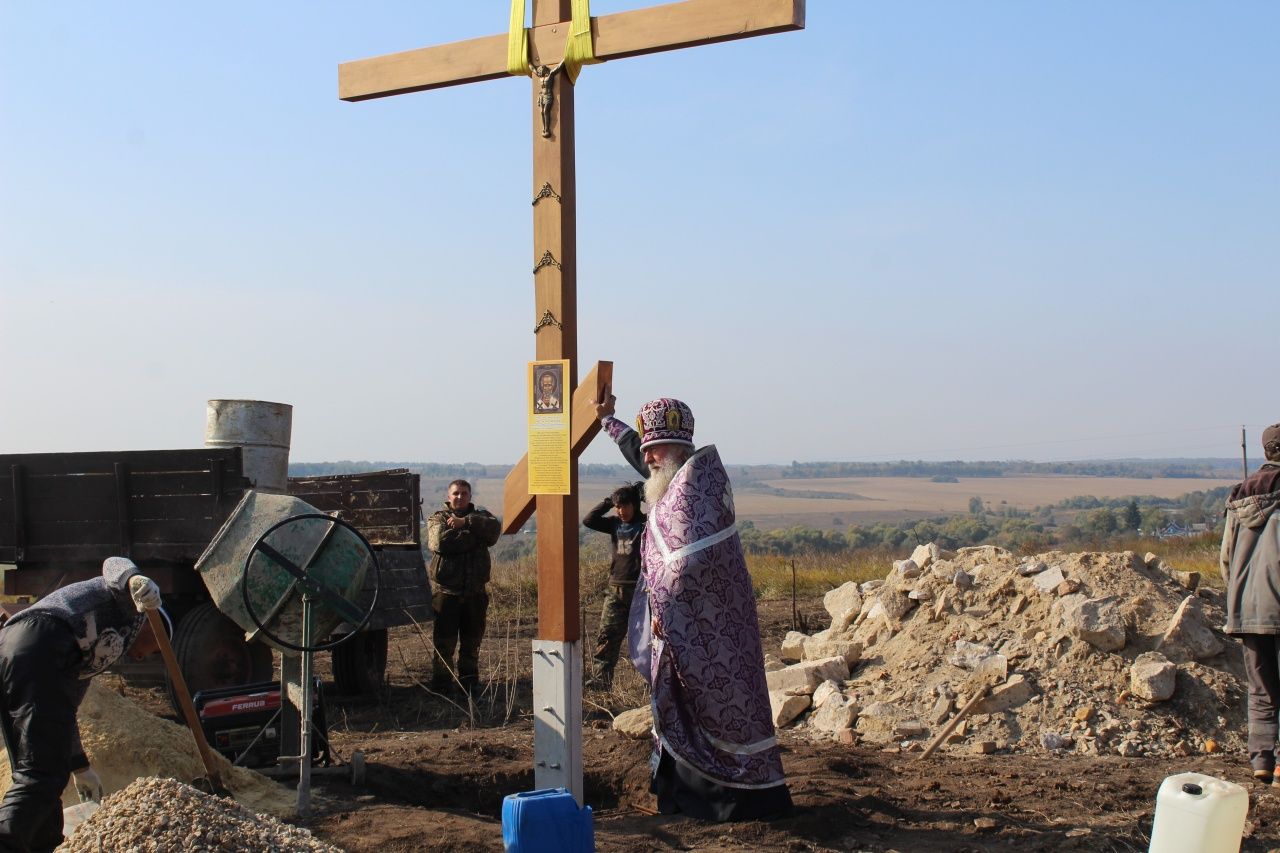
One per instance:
(453, 470)
(1073, 523)
(1136, 468)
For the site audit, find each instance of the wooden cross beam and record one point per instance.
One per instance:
(634, 33)
(554, 194)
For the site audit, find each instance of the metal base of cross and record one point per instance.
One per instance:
(557, 716)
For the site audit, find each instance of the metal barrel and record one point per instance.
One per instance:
(263, 429)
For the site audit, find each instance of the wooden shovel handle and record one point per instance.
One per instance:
(184, 697)
(955, 721)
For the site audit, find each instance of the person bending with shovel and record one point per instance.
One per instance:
(48, 653)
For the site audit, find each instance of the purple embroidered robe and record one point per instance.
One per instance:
(710, 702)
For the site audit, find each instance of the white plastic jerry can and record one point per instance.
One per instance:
(1198, 814)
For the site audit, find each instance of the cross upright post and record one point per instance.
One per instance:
(555, 264)
(557, 660)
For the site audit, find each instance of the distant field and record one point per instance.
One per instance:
(873, 499)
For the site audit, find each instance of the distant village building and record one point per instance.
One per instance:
(1174, 530)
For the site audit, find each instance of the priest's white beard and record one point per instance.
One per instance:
(660, 477)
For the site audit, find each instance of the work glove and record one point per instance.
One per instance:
(88, 785)
(146, 595)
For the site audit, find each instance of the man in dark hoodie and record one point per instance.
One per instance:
(48, 653)
(1250, 563)
(624, 528)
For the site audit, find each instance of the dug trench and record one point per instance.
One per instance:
(433, 792)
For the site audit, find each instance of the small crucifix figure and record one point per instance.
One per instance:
(546, 94)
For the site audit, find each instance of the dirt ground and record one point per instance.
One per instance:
(436, 778)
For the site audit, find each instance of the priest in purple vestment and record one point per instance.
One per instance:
(716, 755)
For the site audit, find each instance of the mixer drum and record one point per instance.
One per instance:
(331, 555)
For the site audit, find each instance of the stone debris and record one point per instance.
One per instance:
(638, 722)
(784, 705)
(1034, 567)
(1086, 653)
(843, 603)
(1153, 677)
(1189, 580)
(835, 713)
(906, 568)
(926, 555)
(940, 712)
(975, 656)
(825, 689)
(1189, 636)
(822, 646)
(792, 650)
(1048, 580)
(1097, 621)
(157, 815)
(1053, 741)
(911, 729)
(1014, 693)
(807, 675)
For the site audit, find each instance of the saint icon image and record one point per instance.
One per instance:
(547, 396)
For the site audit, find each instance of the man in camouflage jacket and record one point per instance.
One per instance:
(459, 535)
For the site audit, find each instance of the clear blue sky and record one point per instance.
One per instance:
(919, 229)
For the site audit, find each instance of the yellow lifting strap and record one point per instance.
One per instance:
(578, 50)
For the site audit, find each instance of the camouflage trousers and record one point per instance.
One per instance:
(613, 629)
(460, 621)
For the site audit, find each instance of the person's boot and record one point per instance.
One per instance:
(1264, 765)
(442, 683)
(601, 676)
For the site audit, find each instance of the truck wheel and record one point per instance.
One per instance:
(360, 664)
(212, 652)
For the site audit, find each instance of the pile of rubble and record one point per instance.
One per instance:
(1095, 653)
(155, 815)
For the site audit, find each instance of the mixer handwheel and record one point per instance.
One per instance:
(310, 585)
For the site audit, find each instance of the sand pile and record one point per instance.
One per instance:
(1090, 652)
(125, 742)
(154, 815)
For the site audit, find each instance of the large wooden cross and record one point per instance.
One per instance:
(633, 33)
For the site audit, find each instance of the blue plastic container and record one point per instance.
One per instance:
(546, 821)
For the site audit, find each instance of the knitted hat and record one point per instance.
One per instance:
(1271, 440)
(665, 421)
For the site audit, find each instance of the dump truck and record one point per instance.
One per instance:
(62, 514)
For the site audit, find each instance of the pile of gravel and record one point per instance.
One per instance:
(157, 815)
